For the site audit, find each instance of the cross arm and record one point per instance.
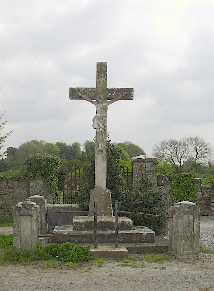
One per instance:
(115, 94)
(87, 94)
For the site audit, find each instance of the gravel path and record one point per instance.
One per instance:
(113, 277)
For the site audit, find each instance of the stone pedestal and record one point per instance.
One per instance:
(103, 202)
(184, 231)
(27, 224)
(41, 201)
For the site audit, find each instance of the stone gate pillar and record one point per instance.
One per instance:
(41, 201)
(26, 224)
(145, 168)
(184, 230)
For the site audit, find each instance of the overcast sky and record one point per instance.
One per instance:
(164, 49)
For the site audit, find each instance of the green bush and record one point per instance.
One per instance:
(208, 181)
(6, 220)
(64, 253)
(147, 209)
(68, 252)
(183, 187)
(45, 166)
(6, 241)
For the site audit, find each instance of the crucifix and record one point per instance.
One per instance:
(101, 97)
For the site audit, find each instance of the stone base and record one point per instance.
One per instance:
(109, 252)
(102, 197)
(137, 235)
(104, 223)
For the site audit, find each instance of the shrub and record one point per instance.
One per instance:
(45, 166)
(6, 241)
(208, 181)
(146, 209)
(183, 187)
(64, 253)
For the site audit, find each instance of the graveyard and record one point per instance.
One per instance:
(137, 224)
(106, 145)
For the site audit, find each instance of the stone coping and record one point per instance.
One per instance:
(81, 223)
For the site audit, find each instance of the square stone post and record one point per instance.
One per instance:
(26, 224)
(144, 168)
(184, 231)
(41, 201)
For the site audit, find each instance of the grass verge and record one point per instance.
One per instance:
(52, 255)
(207, 250)
(157, 258)
(131, 262)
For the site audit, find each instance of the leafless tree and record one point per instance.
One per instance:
(177, 152)
(199, 150)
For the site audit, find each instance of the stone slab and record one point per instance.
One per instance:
(109, 252)
(67, 234)
(104, 223)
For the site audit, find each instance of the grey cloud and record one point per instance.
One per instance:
(48, 46)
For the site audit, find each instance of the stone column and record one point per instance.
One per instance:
(144, 168)
(26, 224)
(41, 201)
(184, 231)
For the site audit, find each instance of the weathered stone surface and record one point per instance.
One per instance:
(184, 230)
(101, 97)
(66, 233)
(109, 252)
(83, 223)
(16, 189)
(61, 214)
(41, 201)
(26, 224)
(103, 202)
(144, 169)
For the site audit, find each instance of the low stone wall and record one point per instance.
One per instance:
(14, 190)
(62, 214)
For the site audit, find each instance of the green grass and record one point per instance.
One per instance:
(206, 250)
(52, 255)
(157, 258)
(6, 241)
(99, 262)
(131, 262)
(6, 221)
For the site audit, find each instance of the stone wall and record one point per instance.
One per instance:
(14, 190)
(62, 214)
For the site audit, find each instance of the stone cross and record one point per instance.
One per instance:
(101, 97)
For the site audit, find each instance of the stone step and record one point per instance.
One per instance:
(67, 234)
(86, 223)
(104, 251)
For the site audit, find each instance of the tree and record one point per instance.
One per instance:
(183, 151)
(198, 149)
(131, 148)
(173, 151)
(76, 151)
(89, 150)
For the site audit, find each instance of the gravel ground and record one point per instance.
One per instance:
(111, 276)
(207, 231)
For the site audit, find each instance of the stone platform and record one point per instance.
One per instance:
(109, 252)
(66, 233)
(104, 223)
